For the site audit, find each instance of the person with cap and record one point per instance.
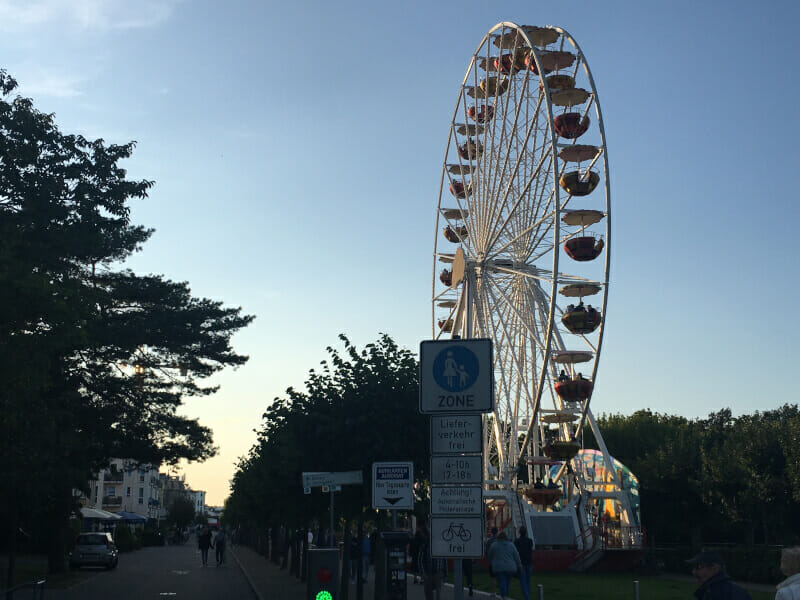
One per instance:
(789, 588)
(708, 569)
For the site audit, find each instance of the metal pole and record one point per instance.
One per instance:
(394, 520)
(333, 543)
(635, 589)
(458, 582)
(541, 591)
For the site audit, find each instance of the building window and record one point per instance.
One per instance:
(128, 492)
(141, 492)
(141, 477)
(141, 500)
(111, 491)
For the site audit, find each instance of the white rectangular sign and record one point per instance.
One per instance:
(456, 469)
(456, 433)
(456, 376)
(457, 537)
(457, 500)
(393, 485)
(313, 479)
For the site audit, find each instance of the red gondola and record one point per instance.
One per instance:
(562, 450)
(571, 125)
(543, 496)
(584, 248)
(446, 277)
(481, 114)
(574, 390)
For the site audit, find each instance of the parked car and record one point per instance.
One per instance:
(94, 550)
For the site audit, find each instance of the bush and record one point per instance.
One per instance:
(123, 538)
(754, 564)
(152, 537)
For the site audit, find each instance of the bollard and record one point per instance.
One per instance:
(635, 589)
(541, 591)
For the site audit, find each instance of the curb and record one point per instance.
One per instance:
(246, 576)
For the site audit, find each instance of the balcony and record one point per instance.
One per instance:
(109, 477)
(112, 501)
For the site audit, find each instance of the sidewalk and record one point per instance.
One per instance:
(269, 582)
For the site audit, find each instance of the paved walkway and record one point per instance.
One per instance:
(269, 582)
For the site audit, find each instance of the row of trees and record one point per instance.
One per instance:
(95, 360)
(718, 479)
(359, 408)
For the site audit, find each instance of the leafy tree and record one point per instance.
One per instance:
(75, 327)
(360, 407)
(181, 512)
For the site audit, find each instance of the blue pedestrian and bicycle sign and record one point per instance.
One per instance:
(455, 376)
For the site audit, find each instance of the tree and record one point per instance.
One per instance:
(95, 360)
(181, 512)
(360, 407)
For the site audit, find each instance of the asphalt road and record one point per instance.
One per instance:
(160, 573)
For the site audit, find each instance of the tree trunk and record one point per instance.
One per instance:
(13, 525)
(58, 522)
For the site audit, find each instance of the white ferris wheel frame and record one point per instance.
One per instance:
(473, 303)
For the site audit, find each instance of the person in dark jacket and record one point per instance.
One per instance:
(708, 569)
(524, 546)
(204, 543)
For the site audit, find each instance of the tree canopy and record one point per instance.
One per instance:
(359, 408)
(95, 360)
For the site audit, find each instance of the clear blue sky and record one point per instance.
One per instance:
(297, 150)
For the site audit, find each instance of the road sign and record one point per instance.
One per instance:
(457, 537)
(393, 485)
(455, 376)
(457, 500)
(456, 469)
(456, 433)
(312, 479)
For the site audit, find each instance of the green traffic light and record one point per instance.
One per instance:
(324, 595)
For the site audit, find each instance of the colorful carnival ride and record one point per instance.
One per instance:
(523, 231)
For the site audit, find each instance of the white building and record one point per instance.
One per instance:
(198, 498)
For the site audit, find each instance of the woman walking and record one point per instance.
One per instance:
(204, 543)
(505, 562)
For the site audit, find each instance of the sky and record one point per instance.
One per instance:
(297, 149)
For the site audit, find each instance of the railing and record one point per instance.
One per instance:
(109, 477)
(36, 591)
(622, 538)
(112, 500)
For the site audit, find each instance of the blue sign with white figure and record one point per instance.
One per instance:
(456, 369)
(456, 377)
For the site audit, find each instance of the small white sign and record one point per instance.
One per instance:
(393, 485)
(452, 434)
(456, 469)
(456, 376)
(457, 500)
(457, 537)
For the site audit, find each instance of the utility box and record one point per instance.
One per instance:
(323, 574)
(390, 566)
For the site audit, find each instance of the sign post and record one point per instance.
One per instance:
(330, 481)
(456, 389)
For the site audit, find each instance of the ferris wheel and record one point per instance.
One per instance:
(521, 251)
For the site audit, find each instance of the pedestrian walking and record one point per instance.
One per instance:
(204, 543)
(489, 542)
(355, 555)
(365, 554)
(789, 588)
(708, 569)
(524, 546)
(219, 545)
(505, 562)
